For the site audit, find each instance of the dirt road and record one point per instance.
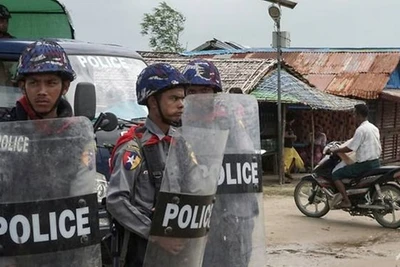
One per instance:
(334, 240)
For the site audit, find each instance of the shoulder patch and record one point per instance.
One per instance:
(131, 159)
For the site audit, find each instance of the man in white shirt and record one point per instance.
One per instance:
(367, 146)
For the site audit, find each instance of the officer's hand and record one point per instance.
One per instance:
(172, 245)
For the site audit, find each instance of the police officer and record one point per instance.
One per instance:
(230, 237)
(138, 161)
(55, 166)
(4, 18)
(43, 82)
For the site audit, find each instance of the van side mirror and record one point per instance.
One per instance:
(106, 122)
(85, 100)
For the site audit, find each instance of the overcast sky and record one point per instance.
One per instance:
(313, 23)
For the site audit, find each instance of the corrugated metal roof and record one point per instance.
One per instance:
(321, 81)
(385, 63)
(341, 84)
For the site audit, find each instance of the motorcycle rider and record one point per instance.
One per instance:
(136, 173)
(367, 146)
(204, 78)
(4, 18)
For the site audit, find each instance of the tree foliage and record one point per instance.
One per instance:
(164, 26)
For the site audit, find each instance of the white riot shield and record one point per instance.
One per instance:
(48, 200)
(182, 215)
(236, 238)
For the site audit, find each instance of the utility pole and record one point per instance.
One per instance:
(275, 13)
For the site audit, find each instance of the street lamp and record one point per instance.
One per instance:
(275, 13)
(285, 3)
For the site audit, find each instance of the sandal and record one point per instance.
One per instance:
(287, 175)
(289, 178)
(341, 205)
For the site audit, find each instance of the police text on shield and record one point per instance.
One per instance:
(63, 225)
(192, 217)
(14, 143)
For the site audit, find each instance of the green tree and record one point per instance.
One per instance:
(164, 26)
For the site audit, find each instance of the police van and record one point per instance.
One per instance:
(112, 70)
(105, 79)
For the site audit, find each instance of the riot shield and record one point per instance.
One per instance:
(236, 237)
(185, 202)
(48, 200)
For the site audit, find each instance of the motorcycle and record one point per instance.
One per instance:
(375, 193)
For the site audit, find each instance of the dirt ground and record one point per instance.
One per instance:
(337, 239)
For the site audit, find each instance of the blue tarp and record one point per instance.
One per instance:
(394, 81)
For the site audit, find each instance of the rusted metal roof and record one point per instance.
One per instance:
(320, 81)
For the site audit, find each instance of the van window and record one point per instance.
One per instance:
(115, 81)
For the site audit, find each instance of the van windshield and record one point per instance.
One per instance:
(115, 81)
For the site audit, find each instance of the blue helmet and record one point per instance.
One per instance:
(157, 78)
(44, 56)
(203, 72)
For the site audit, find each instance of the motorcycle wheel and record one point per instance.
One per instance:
(304, 191)
(389, 218)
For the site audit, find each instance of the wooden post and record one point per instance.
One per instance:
(281, 167)
(312, 139)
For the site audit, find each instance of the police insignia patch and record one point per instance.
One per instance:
(131, 160)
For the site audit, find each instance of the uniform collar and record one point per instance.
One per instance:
(154, 129)
(24, 111)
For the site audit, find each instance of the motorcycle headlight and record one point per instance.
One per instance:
(101, 187)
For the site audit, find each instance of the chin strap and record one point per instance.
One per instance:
(41, 115)
(165, 120)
